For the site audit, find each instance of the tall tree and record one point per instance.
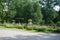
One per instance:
(37, 12)
(49, 13)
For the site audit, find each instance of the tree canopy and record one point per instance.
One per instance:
(40, 11)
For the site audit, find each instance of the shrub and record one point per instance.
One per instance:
(49, 30)
(38, 28)
(29, 27)
(46, 29)
(57, 31)
(58, 23)
(20, 27)
(41, 29)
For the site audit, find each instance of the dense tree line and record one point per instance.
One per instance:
(40, 11)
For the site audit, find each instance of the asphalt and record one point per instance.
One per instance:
(7, 34)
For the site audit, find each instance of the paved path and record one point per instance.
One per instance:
(6, 34)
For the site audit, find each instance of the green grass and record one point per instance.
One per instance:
(31, 28)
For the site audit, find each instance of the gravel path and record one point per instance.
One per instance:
(7, 34)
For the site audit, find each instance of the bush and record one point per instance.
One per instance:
(37, 28)
(46, 29)
(20, 27)
(12, 26)
(9, 25)
(49, 29)
(57, 31)
(58, 23)
(29, 27)
(41, 29)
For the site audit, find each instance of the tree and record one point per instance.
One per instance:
(48, 12)
(37, 12)
(10, 13)
(0, 9)
(49, 15)
(0, 1)
(28, 10)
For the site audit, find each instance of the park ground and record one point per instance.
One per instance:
(12, 34)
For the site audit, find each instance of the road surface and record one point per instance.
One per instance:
(7, 34)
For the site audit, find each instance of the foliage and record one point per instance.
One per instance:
(58, 23)
(49, 15)
(37, 28)
(39, 11)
